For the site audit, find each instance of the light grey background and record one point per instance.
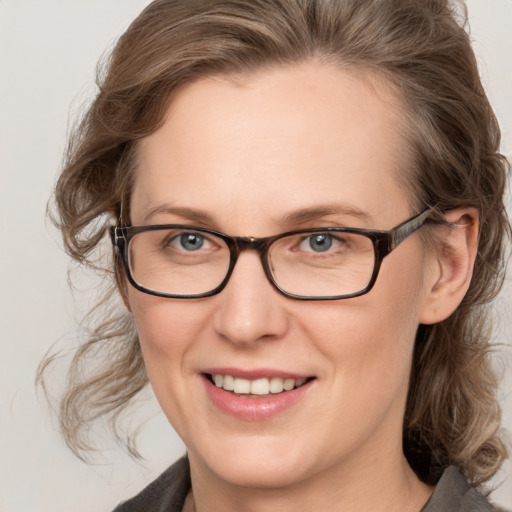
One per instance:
(48, 52)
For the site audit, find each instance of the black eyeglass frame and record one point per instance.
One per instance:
(384, 242)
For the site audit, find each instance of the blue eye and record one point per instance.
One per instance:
(191, 241)
(320, 242)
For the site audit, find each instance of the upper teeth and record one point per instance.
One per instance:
(262, 386)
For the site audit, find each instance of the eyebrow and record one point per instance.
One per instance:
(294, 218)
(193, 215)
(315, 213)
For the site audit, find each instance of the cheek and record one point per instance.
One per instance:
(365, 326)
(163, 323)
(367, 346)
(167, 330)
(369, 340)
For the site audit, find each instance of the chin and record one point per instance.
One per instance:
(257, 462)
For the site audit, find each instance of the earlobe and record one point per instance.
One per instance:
(451, 266)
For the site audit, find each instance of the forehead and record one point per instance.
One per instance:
(268, 143)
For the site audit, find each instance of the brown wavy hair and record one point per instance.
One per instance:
(422, 48)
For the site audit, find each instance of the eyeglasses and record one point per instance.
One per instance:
(186, 262)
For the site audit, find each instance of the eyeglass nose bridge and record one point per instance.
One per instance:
(240, 244)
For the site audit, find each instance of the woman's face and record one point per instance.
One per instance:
(283, 149)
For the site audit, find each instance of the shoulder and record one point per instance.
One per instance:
(166, 493)
(453, 493)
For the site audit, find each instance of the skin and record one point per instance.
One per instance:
(246, 152)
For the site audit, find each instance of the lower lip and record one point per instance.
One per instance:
(254, 409)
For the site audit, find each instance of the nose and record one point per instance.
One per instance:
(249, 308)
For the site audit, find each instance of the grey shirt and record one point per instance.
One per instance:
(168, 492)
(452, 493)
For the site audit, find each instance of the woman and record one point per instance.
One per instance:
(306, 200)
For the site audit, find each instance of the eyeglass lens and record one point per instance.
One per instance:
(315, 264)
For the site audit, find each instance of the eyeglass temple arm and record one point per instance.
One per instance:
(404, 230)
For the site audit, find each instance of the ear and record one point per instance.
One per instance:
(451, 265)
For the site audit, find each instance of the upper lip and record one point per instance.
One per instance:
(256, 373)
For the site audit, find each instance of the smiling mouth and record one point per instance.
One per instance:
(257, 387)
